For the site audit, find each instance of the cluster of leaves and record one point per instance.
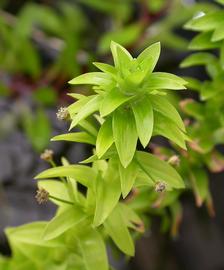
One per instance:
(53, 46)
(96, 204)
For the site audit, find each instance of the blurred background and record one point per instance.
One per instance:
(45, 43)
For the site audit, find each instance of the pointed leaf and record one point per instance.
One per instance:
(83, 174)
(112, 101)
(120, 55)
(162, 105)
(159, 170)
(105, 138)
(143, 113)
(167, 128)
(117, 229)
(127, 177)
(108, 191)
(95, 78)
(81, 137)
(92, 250)
(125, 135)
(149, 57)
(89, 108)
(65, 220)
(162, 80)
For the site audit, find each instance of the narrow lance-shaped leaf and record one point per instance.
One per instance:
(81, 137)
(162, 80)
(89, 108)
(125, 135)
(143, 113)
(149, 57)
(108, 192)
(117, 229)
(65, 220)
(83, 174)
(92, 250)
(95, 78)
(104, 138)
(112, 101)
(127, 177)
(158, 170)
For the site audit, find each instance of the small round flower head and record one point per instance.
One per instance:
(47, 155)
(62, 114)
(42, 196)
(174, 160)
(160, 186)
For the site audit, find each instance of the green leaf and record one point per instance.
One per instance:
(121, 56)
(83, 174)
(149, 57)
(112, 101)
(105, 138)
(199, 180)
(162, 80)
(95, 78)
(196, 59)
(162, 105)
(206, 22)
(158, 170)
(105, 68)
(218, 33)
(143, 113)
(92, 250)
(31, 234)
(167, 128)
(127, 177)
(203, 41)
(55, 188)
(108, 191)
(89, 108)
(125, 135)
(81, 137)
(117, 229)
(62, 222)
(74, 108)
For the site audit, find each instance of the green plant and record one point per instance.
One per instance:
(97, 203)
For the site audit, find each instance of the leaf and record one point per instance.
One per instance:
(83, 174)
(108, 191)
(56, 189)
(158, 170)
(105, 68)
(31, 233)
(162, 105)
(95, 78)
(162, 80)
(92, 250)
(167, 128)
(149, 57)
(105, 138)
(143, 113)
(203, 41)
(199, 180)
(218, 33)
(127, 177)
(121, 56)
(117, 229)
(81, 137)
(200, 58)
(112, 101)
(89, 108)
(74, 108)
(62, 222)
(125, 135)
(206, 22)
